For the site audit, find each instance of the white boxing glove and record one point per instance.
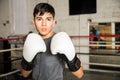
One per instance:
(62, 44)
(33, 44)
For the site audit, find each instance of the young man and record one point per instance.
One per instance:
(44, 53)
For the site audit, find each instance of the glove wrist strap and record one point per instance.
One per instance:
(26, 65)
(74, 65)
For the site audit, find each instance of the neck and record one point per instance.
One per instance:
(47, 36)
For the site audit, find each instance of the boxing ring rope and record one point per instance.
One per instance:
(102, 64)
(4, 39)
(99, 35)
(13, 49)
(14, 40)
(105, 42)
(98, 44)
(9, 73)
(92, 45)
(17, 58)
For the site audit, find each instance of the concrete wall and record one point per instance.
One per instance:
(107, 11)
(5, 27)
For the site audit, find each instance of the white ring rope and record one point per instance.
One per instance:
(93, 45)
(9, 73)
(111, 65)
(102, 64)
(108, 71)
(13, 49)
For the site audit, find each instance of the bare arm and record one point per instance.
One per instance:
(26, 68)
(25, 73)
(79, 73)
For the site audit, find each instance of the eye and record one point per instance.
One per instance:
(49, 19)
(38, 19)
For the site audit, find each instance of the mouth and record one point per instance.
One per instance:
(43, 29)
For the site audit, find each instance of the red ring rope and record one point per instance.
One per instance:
(3, 39)
(91, 36)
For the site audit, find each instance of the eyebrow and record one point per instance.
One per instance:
(41, 17)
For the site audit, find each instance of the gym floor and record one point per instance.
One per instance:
(88, 75)
(92, 75)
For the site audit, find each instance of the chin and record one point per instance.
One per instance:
(43, 33)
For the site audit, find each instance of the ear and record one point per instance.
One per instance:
(55, 22)
(33, 21)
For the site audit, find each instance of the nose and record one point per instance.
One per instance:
(43, 23)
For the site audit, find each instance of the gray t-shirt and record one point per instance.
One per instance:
(48, 66)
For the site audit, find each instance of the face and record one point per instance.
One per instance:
(44, 24)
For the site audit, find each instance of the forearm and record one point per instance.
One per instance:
(75, 67)
(79, 73)
(25, 73)
(26, 68)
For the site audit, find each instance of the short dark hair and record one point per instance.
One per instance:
(42, 8)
